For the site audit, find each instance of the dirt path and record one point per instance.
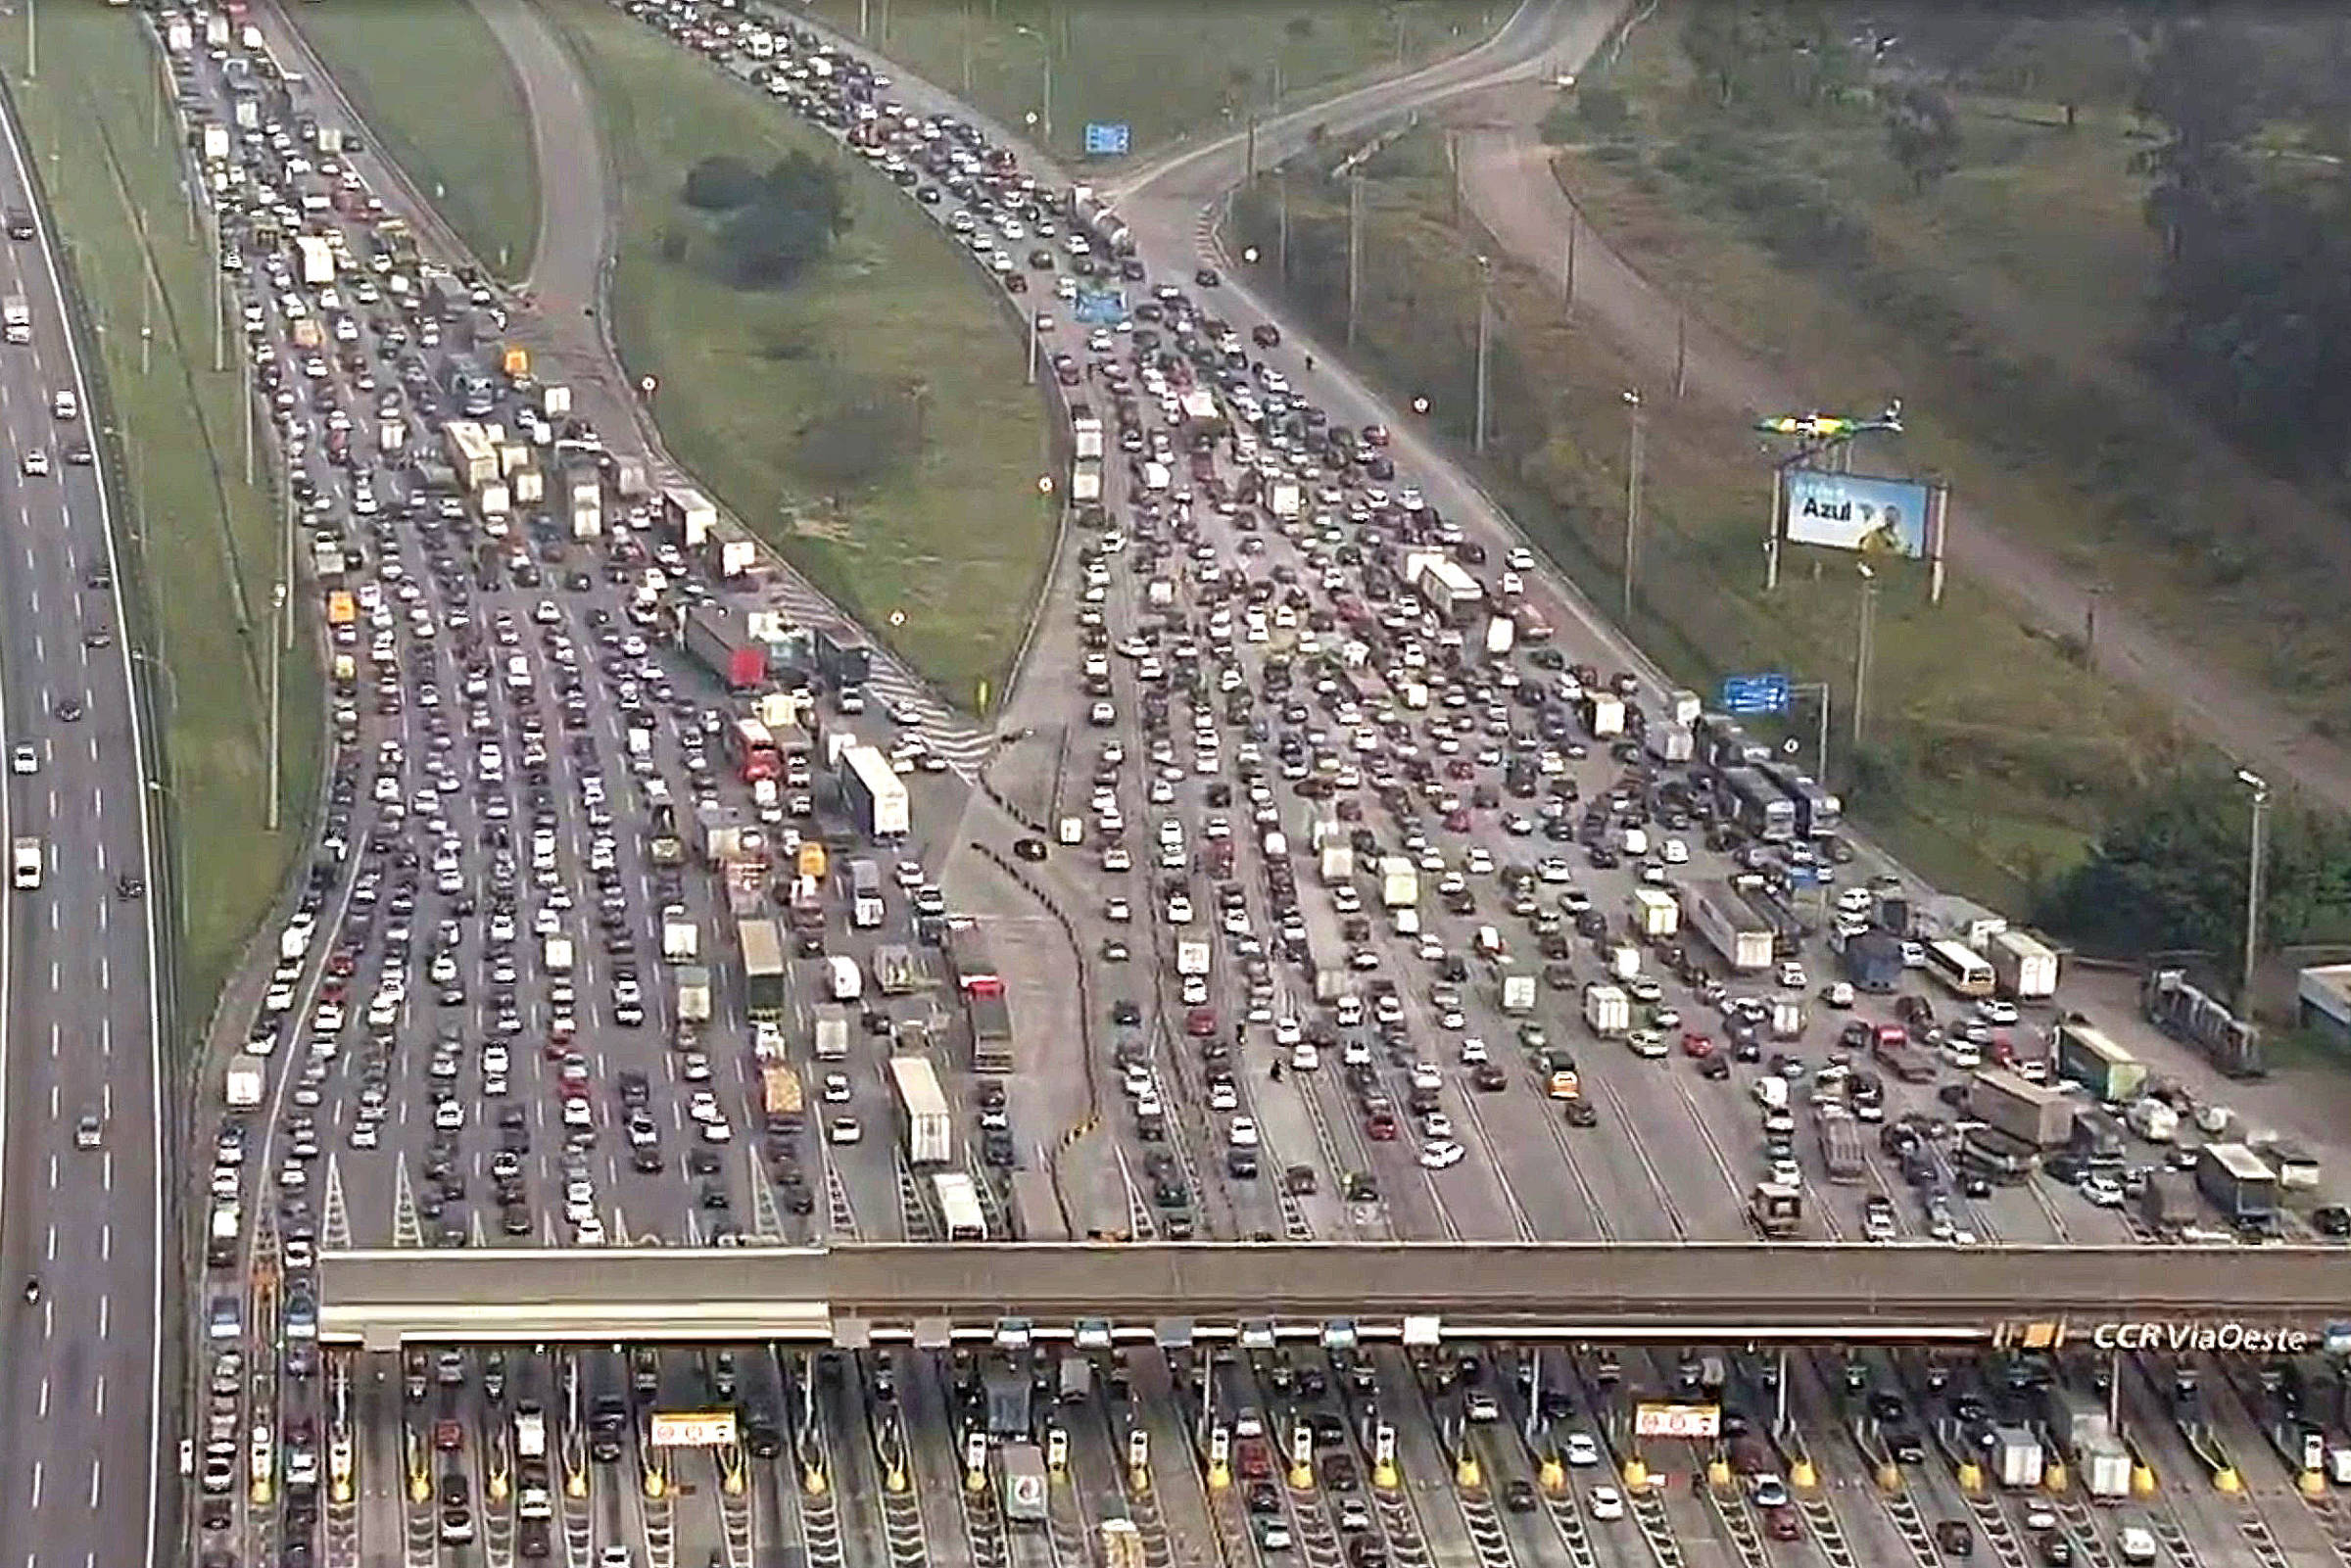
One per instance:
(1509, 184)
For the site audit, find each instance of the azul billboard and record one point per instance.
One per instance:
(1857, 512)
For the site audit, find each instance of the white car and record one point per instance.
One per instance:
(21, 758)
(846, 1130)
(1441, 1156)
(1608, 1503)
(1583, 1451)
(1243, 1132)
(36, 463)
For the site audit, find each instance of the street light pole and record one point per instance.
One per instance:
(2256, 852)
(1031, 376)
(1632, 499)
(1485, 290)
(1862, 652)
(1355, 245)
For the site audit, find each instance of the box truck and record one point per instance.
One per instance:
(2025, 969)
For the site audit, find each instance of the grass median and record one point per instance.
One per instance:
(431, 82)
(1165, 69)
(206, 547)
(1988, 756)
(941, 541)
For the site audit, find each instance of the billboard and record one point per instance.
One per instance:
(1857, 512)
(1746, 696)
(694, 1429)
(1702, 1422)
(1108, 138)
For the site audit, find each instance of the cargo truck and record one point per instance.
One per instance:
(690, 515)
(720, 640)
(2085, 1055)
(557, 953)
(762, 967)
(2167, 1203)
(2023, 967)
(875, 794)
(241, 1090)
(1085, 433)
(1654, 913)
(831, 1035)
(1668, 743)
(1444, 585)
(680, 939)
(1607, 1011)
(2030, 1112)
(1603, 715)
(1192, 958)
(1399, 883)
(779, 1104)
(926, 1122)
(1730, 925)
(1517, 992)
(2014, 1456)
(1335, 862)
(1840, 1151)
(992, 1032)
(694, 994)
(2238, 1181)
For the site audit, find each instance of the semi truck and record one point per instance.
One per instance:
(720, 640)
(1730, 925)
(925, 1120)
(2024, 967)
(2238, 1181)
(690, 515)
(2030, 1113)
(875, 794)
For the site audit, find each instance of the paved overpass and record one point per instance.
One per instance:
(1255, 1292)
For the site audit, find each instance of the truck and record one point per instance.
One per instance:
(897, 971)
(1192, 958)
(2014, 1456)
(2187, 1012)
(2167, 1203)
(556, 952)
(694, 994)
(1517, 992)
(688, 514)
(1603, 714)
(1284, 498)
(781, 1107)
(845, 981)
(2030, 1113)
(762, 965)
(2085, 1055)
(681, 938)
(830, 1034)
(720, 640)
(16, 317)
(867, 907)
(1873, 962)
(1335, 864)
(1446, 586)
(875, 794)
(1654, 913)
(1776, 1210)
(1668, 743)
(925, 1120)
(1730, 925)
(318, 257)
(25, 864)
(241, 1089)
(1839, 1136)
(2024, 967)
(1024, 1485)
(1085, 431)
(1399, 883)
(1891, 1044)
(1086, 481)
(1122, 1545)
(1607, 1011)
(990, 1014)
(2238, 1181)
(534, 1496)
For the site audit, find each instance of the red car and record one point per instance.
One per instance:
(1783, 1524)
(1697, 1047)
(1200, 1023)
(1381, 1128)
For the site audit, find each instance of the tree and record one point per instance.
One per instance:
(1923, 130)
(768, 246)
(720, 183)
(816, 187)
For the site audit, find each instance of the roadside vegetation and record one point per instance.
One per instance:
(2093, 252)
(1991, 760)
(1168, 68)
(827, 362)
(429, 79)
(202, 545)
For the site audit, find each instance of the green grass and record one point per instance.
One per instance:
(945, 553)
(91, 123)
(1167, 67)
(429, 79)
(1991, 754)
(2004, 302)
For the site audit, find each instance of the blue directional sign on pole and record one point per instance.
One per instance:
(1108, 138)
(1099, 307)
(1747, 697)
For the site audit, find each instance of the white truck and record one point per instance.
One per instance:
(16, 317)
(1607, 1011)
(241, 1090)
(2024, 967)
(1399, 883)
(681, 938)
(1192, 958)
(557, 953)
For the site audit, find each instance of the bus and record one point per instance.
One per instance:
(752, 748)
(925, 1123)
(1962, 970)
(960, 1217)
(1817, 812)
(1759, 805)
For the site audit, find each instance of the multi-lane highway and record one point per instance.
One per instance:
(82, 1204)
(1297, 875)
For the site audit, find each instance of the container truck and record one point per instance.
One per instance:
(694, 994)
(1730, 925)
(1607, 1011)
(2014, 1455)
(2024, 967)
(2238, 1181)
(241, 1090)
(1399, 883)
(719, 639)
(681, 938)
(927, 1122)
(690, 515)
(2030, 1112)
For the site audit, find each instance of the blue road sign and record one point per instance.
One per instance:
(1108, 138)
(1099, 307)
(1747, 696)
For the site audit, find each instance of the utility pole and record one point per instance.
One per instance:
(1632, 497)
(1485, 314)
(2090, 624)
(1681, 354)
(32, 40)
(967, 51)
(1032, 373)
(1282, 241)
(1862, 652)
(1355, 249)
(1249, 146)
(2256, 853)
(1568, 278)
(278, 661)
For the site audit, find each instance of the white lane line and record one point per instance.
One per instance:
(106, 1232)
(53, 1098)
(97, 1468)
(98, 1396)
(36, 1492)
(43, 1410)
(105, 1311)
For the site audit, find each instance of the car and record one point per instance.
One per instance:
(1582, 1450)
(88, 1132)
(69, 709)
(1029, 849)
(1441, 1156)
(1606, 1504)
(21, 758)
(36, 463)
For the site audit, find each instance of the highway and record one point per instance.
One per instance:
(475, 1040)
(83, 1465)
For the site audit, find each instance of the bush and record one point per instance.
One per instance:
(721, 183)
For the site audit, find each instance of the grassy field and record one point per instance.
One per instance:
(1990, 753)
(944, 553)
(2004, 302)
(92, 123)
(1166, 68)
(428, 78)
